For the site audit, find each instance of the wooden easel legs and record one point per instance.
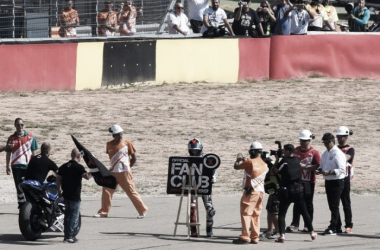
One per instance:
(189, 188)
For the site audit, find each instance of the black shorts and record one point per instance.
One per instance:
(272, 204)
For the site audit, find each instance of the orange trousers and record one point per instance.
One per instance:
(125, 180)
(250, 210)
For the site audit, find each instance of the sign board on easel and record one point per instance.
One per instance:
(191, 175)
(201, 168)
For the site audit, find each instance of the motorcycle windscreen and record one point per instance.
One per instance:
(102, 176)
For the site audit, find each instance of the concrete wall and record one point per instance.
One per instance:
(91, 65)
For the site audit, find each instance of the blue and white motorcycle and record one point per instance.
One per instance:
(42, 210)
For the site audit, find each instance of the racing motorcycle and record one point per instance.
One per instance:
(42, 210)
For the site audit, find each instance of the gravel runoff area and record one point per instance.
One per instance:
(160, 119)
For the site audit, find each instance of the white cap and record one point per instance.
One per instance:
(115, 129)
(255, 145)
(342, 130)
(305, 135)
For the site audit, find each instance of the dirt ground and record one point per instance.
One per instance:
(160, 119)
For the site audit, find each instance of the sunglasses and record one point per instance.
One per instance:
(179, 8)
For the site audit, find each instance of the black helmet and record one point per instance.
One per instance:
(195, 147)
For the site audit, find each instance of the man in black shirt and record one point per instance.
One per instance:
(40, 165)
(291, 190)
(246, 21)
(69, 180)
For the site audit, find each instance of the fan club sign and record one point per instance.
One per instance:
(201, 170)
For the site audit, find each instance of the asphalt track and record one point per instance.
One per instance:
(122, 230)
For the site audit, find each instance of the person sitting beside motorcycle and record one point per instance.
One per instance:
(246, 21)
(40, 165)
(360, 17)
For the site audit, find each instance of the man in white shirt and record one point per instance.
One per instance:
(177, 20)
(196, 9)
(300, 18)
(333, 168)
(213, 17)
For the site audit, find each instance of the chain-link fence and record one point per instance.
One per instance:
(40, 18)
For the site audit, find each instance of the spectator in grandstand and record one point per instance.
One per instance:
(246, 21)
(332, 16)
(319, 16)
(127, 17)
(212, 18)
(196, 9)
(267, 19)
(360, 17)
(283, 22)
(300, 18)
(107, 20)
(69, 20)
(177, 20)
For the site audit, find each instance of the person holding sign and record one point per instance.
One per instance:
(251, 203)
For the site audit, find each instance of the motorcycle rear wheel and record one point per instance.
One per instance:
(29, 221)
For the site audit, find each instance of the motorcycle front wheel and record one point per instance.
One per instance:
(29, 220)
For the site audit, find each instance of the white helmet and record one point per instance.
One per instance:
(306, 135)
(255, 145)
(343, 130)
(115, 129)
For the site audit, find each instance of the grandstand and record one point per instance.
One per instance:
(39, 18)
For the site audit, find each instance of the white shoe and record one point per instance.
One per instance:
(141, 216)
(100, 216)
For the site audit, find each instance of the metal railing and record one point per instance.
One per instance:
(40, 18)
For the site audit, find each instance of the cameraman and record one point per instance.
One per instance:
(310, 159)
(360, 17)
(291, 189)
(246, 21)
(271, 186)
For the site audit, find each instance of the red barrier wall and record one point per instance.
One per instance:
(335, 56)
(254, 58)
(38, 67)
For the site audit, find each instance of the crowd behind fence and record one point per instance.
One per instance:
(40, 18)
